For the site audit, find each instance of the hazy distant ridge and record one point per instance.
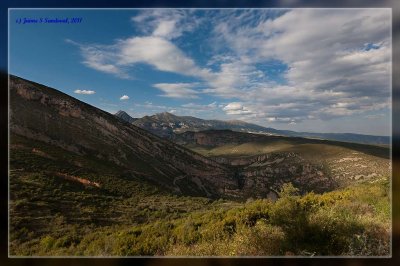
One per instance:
(166, 124)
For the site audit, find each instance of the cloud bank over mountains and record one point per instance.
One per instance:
(284, 66)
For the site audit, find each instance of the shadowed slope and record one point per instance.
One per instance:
(41, 113)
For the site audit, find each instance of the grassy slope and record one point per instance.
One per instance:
(342, 160)
(287, 144)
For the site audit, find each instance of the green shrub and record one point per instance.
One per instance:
(262, 239)
(47, 242)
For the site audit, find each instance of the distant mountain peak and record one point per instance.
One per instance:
(120, 112)
(125, 116)
(167, 114)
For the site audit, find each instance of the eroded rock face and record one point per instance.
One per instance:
(64, 107)
(67, 109)
(264, 175)
(26, 92)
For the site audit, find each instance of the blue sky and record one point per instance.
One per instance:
(320, 70)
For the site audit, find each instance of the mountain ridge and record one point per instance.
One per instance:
(125, 116)
(166, 124)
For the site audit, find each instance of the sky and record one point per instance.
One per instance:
(315, 70)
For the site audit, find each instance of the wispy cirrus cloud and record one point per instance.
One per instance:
(102, 58)
(167, 23)
(178, 90)
(159, 53)
(204, 107)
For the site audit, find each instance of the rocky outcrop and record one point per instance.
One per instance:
(78, 179)
(266, 173)
(64, 107)
(125, 117)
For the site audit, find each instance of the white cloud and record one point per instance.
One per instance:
(330, 73)
(165, 28)
(324, 67)
(150, 105)
(88, 92)
(177, 90)
(212, 105)
(167, 23)
(236, 108)
(155, 51)
(233, 106)
(202, 107)
(124, 97)
(158, 52)
(233, 77)
(101, 58)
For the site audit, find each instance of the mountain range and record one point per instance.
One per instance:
(167, 124)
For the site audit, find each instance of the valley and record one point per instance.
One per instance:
(339, 162)
(84, 182)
